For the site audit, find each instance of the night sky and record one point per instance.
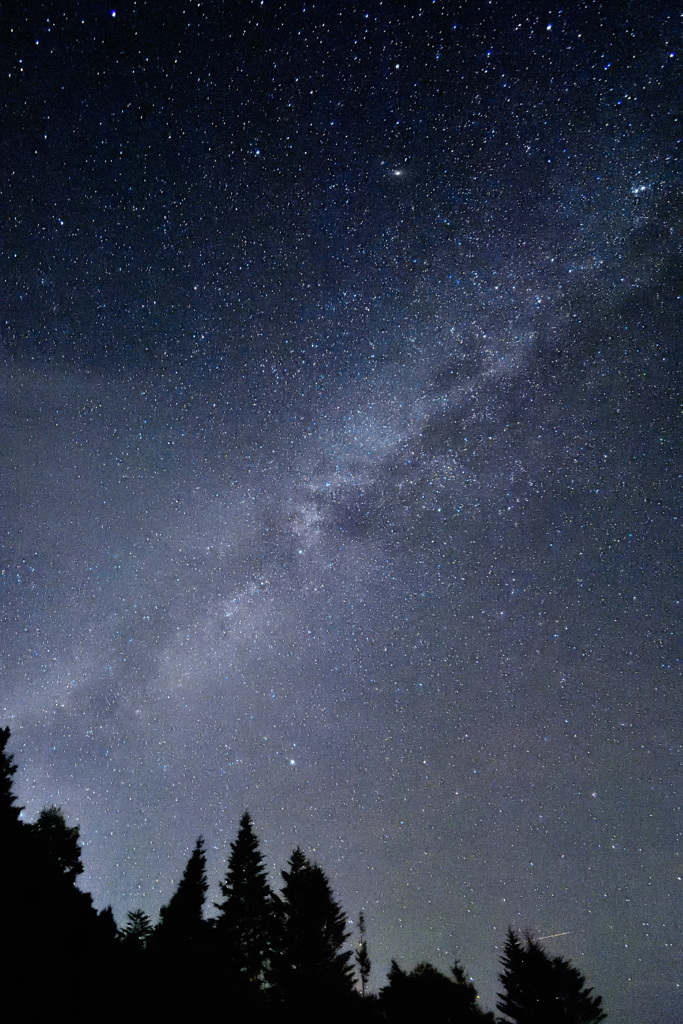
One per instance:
(338, 371)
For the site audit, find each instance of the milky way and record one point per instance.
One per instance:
(339, 359)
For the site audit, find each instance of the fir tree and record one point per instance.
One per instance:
(465, 998)
(538, 988)
(56, 843)
(244, 927)
(426, 992)
(12, 834)
(16, 897)
(63, 916)
(310, 967)
(9, 811)
(362, 956)
(66, 942)
(137, 931)
(175, 963)
(181, 919)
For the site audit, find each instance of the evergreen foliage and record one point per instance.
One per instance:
(538, 988)
(137, 931)
(12, 850)
(265, 958)
(244, 927)
(68, 920)
(54, 931)
(309, 960)
(362, 956)
(178, 946)
(449, 1000)
(9, 811)
(56, 844)
(181, 919)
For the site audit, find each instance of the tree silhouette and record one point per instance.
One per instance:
(426, 992)
(181, 919)
(175, 962)
(64, 940)
(63, 918)
(56, 843)
(15, 887)
(538, 988)
(9, 811)
(244, 927)
(137, 931)
(362, 956)
(273, 957)
(310, 966)
(465, 997)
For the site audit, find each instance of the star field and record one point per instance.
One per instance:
(339, 361)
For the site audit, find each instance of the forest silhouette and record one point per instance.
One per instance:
(263, 956)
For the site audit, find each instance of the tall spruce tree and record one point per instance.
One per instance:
(57, 844)
(15, 884)
(181, 923)
(63, 915)
(465, 997)
(175, 960)
(12, 835)
(9, 810)
(362, 955)
(244, 927)
(538, 988)
(137, 931)
(66, 943)
(310, 966)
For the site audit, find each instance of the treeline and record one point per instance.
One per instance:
(262, 957)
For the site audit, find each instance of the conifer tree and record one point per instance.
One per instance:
(137, 931)
(12, 833)
(465, 997)
(63, 915)
(49, 928)
(64, 940)
(362, 956)
(56, 843)
(244, 927)
(9, 811)
(15, 879)
(310, 966)
(426, 992)
(181, 919)
(539, 988)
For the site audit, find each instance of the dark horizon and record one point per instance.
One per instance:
(265, 954)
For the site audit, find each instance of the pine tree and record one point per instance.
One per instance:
(538, 988)
(362, 956)
(50, 929)
(12, 837)
(65, 941)
(57, 844)
(181, 919)
(426, 993)
(9, 811)
(465, 997)
(67, 913)
(16, 896)
(137, 931)
(63, 915)
(244, 927)
(310, 967)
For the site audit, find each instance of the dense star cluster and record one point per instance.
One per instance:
(338, 361)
